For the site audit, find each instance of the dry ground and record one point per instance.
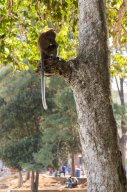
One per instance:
(45, 182)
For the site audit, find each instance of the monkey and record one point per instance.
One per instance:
(48, 49)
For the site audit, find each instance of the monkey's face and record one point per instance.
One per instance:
(48, 44)
(52, 49)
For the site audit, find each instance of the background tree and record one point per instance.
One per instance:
(20, 115)
(59, 129)
(20, 121)
(19, 153)
(117, 14)
(12, 157)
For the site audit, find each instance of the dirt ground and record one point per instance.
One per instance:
(45, 182)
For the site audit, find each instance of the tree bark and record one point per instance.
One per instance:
(117, 28)
(88, 76)
(20, 179)
(73, 164)
(34, 181)
(93, 100)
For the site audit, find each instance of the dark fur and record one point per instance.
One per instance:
(47, 44)
(48, 49)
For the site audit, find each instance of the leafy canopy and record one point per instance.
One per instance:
(22, 21)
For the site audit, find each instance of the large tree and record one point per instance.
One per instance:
(88, 76)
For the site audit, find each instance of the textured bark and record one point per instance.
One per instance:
(88, 76)
(97, 125)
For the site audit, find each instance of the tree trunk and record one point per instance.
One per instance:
(88, 76)
(123, 123)
(37, 181)
(20, 179)
(73, 164)
(122, 140)
(98, 137)
(122, 99)
(34, 181)
(27, 177)
(98, 129)
(33, 189)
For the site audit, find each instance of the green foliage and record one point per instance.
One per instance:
(20, 115)
(120, 114)
(118, 66)
(112, 9)
(118, 38)
(15, 154)
(59, 128)
(22, 21)
(21, 111)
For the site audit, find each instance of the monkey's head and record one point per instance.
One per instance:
(47, 43)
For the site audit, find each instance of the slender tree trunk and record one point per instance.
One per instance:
(73, 164)
(34, 181)
(20, 179)
(37, 181)
(27, 176)
(122, 141)
(122, 99)
(123, 124)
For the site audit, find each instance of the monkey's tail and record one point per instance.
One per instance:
(43, 86)
(43, 93)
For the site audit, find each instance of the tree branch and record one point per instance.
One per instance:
(124, 29)
(118, 21)
(59, 68)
